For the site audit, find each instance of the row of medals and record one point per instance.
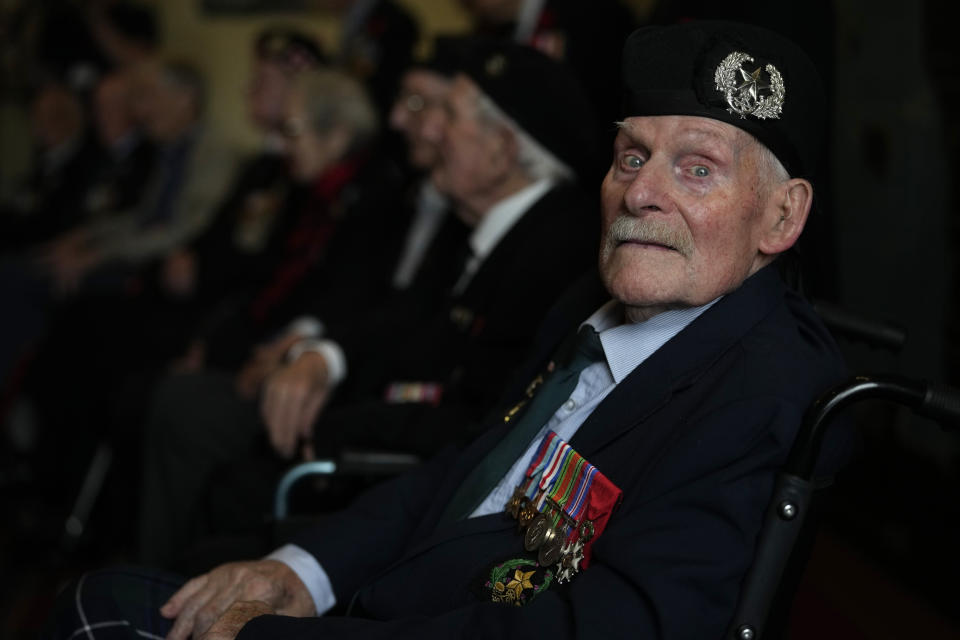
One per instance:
(550, 542)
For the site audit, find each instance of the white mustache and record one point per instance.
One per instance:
(651, 231)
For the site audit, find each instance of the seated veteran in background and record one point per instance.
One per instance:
(64, 163)
(640, 462)
(126, 157)
(586, 36)
(529, 225)
(92, 375)
(204, 413)
(245, 236)
(506, 145)
(432, 228)
(104, 257)
(191, 174)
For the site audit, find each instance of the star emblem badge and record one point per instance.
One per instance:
(759, 93)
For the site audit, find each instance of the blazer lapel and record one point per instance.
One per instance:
(671, 368)
(680, 361)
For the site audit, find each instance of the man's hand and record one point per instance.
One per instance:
(266, 359)
(292, 399)
(240, 613)
(202, 601)
(68, 259)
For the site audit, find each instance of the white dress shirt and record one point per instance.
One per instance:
(625, 347)
(495, 224)
(431, 210)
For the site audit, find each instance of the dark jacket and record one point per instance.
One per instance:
(692, 436)
(472, 343)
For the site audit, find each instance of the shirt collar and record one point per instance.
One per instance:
(503, 215)
(430, 199)
(627, 344)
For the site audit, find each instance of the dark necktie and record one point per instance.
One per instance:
(572, 358)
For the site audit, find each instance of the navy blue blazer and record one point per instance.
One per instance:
(693, 437)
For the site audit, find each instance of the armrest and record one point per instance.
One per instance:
(349, 463)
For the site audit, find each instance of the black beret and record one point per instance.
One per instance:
(135, 21)
(290, 48)
(540, 94)
(741, 74)
(445, 59)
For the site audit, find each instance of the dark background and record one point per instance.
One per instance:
(885, 246)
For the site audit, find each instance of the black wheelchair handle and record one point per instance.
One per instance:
(942, 403)
(794, 489)
(938, 402)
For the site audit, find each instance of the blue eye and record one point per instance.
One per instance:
(701, 171)
(633, 162)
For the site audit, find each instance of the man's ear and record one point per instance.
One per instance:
(506, 148)
(785, 215)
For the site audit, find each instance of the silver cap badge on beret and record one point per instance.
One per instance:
(749, 92)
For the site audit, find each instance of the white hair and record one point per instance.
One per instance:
(333, 98)
(535, 160)
(772, 167)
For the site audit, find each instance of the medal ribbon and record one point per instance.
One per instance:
(556, 463)
(570, 475)
(565, 477)
(548, 448)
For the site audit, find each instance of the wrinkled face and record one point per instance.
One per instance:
(421, 99)
(469, 147)
(305, 148)
(681, 212)
(267, 94)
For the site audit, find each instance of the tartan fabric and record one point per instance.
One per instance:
(113, 604)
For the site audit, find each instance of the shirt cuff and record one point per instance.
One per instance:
(333, 356)
(306, 327)
(310, 573)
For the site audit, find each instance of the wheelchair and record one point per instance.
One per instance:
(783, 543)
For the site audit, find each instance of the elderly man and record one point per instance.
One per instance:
(341, 193)
(244, 236)
(410, 368)
(506, 147)
(103, 257)
(191, 174)
(640, 467)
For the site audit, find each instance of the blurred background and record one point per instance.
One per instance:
(883, 247)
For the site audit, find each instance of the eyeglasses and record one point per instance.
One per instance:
(414, 102)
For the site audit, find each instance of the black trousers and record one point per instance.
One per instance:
(197, 424)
